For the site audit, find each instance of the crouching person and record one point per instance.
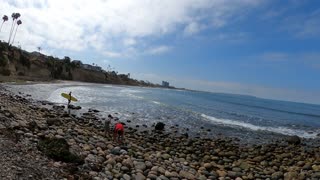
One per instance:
(118, 133)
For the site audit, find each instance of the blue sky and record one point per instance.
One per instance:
(265, 48)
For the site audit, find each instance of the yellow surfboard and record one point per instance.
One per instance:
(67, 96)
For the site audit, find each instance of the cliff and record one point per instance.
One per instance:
(18, 64)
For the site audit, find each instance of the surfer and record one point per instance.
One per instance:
(69, 100)
(118, 132)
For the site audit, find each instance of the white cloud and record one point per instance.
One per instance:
(193, 28)
(303, 25)
(158, 50)
(113, 25)
(129, 42)
(111, 54)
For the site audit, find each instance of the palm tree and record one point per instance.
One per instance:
(4, 18)
(14, 16)
(18, 23)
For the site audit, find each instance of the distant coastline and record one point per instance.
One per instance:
(18, 65)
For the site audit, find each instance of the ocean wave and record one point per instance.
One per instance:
(280, 130)
(129, 91)
(156, 102)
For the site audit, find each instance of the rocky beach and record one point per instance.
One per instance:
(40, 140)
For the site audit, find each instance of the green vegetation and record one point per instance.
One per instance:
(39, 66)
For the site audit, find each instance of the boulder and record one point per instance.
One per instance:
(159, 126)
(54, 121)
(58, 149)
(74, 107)
(293, 140)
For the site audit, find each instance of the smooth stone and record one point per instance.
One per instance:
(186, 175)
(168, 174)
(60, 132)
(236, 169)
(233, 174)
(139, 176)
(122, 151)
(152, 176)
(124, 168)
(161, 170)
(86, 147)
(244, 165)
(154, 168)
(221, 173)
(291, 175)
(165, 156)
(277, 175)
(116, 151)
(316, 167)
(207, 165)
(148, 164)
(111, 161)
(128, 163)
(139, 165)
(316, 175)
(162, 177)
(126, 177)
(203, 177)
(90, 158)
(307, 167)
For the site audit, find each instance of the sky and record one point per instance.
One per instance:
(263, 48)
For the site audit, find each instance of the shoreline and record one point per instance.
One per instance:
(147, 154)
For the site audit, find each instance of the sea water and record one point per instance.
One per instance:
(195, 112)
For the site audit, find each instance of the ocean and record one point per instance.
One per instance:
(197, 113)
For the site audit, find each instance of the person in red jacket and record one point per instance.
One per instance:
(118, 132)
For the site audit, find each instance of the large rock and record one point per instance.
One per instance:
(58, 149)
(159, 126)
(53, 121)
(293, 140)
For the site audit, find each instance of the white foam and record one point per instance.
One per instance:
(129, 91)
(281, 130)
(156, 102)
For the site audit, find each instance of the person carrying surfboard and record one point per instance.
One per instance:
(69, 100)
(118, 132)
(69, 97)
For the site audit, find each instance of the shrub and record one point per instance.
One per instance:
(3, 61)
(25, 60)
(5, 72)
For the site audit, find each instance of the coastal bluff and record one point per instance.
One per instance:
(18, 64)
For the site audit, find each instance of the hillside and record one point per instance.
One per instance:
(18, 64)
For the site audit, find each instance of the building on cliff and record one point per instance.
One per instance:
(165, 84)
(90, 67)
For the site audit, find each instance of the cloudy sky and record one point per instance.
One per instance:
(265, 48)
